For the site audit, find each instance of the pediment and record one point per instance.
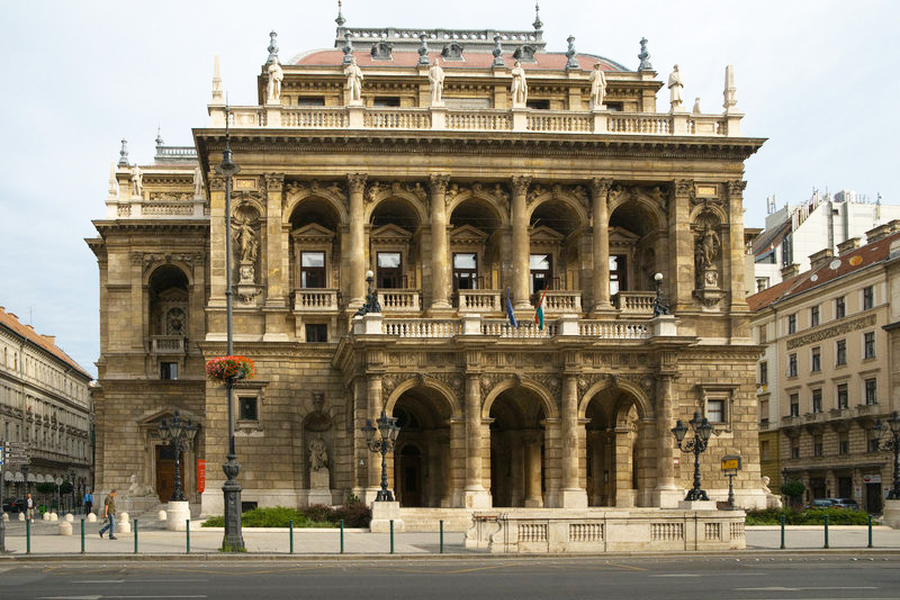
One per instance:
(391, 233)
(545, 235)
(468, 234)
(313, 232)
(617, 235)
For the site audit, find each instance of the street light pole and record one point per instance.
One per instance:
(178, 433)
(388, 431)
(892, 443)
(696, 446)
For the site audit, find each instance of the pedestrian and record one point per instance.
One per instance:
(88, 502)
(29, 508)
(109, 513)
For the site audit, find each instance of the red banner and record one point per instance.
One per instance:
(201, 475)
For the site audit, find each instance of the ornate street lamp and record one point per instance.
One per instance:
(177, 433)
(371, 305)
(891, 443)
(696, 446)
(388, 430)
(234, 540)
(659, 307)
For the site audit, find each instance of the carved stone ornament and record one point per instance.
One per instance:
(684, 188)
(217, 183)
(520, 184)
(557, 191)
(302, 189)
(152, 259)
(600, 189)
(274, 182)
(357, 182)
(380, 189)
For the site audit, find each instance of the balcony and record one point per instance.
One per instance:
(167, 344)
(562, 302)
(869, 410)
(480, 301)
(316, 300)
(400, 301)
(634, 303)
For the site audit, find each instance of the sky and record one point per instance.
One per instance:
(815, 77)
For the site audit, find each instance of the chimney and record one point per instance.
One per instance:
(820, 258)
(848, 246)
(790, 271)
(882, 231)
(51, 339)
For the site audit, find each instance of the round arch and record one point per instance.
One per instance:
(566, 198)
(180, 265)
(641, 402)
(645, 203)
(486, 200)
(547, 402)
(711, 208)
(443, 391)
(333, 200)
(407, 198)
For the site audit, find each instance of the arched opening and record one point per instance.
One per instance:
(394, 249)
(422, 454)
(475, 246)
(314, 253)
(517, 449)
(636, 249)
(556, 259)
(169, 301)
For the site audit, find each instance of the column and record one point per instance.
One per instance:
(681, 247)
(667, 495)
(533, 496)
(572, 494)
(374, 406)
(520, 243)
(275, 277)
(446, 466)
(217, 241)
(440, 257)
(357, 249)
(623, 464)
(475, 494)
(735, 258)
(600, 217)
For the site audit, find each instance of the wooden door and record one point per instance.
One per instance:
(165, 473)
(411, 481)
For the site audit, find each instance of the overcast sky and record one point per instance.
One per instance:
(816, 77)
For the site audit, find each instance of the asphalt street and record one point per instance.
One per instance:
(831, 577)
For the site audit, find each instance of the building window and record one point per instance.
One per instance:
(312, 269)
(792, 365)
(871, 391)
(792, 324)
(795, 405)
(814, 316)
(816, 359)
(542, 104)
(840, 353)
(764, 411)
(387, 101)
(843, 398)
(764, 451)
(869, 344)
(840, 307)
(817, 445)
(541, 271)
(316, 332)
(248, 408)
(465, 271)
(764, 373)
(390, 270)
(817, 400)
(617, 280)
(168, 370)
(873, 440)
(795, 449)
(843, 443)
(763, 334)
(868, 297)
(715, 411)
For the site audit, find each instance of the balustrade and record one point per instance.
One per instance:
(400, 300)
(562, 302)
(422, 328)
(316, 300)
(638, 303)
(167, 344)
(480, 301)
(611, 330)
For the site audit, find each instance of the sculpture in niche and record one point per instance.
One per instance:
(319, 475)
(676, 84)
(519, 86)
(198, 183)
(246, 241)
(436, 78)
(354, 81)
(273, 86)
(598, 87)
(137, 181)
(245, 237)
(175, 320)
(707, 250)
(318, 454)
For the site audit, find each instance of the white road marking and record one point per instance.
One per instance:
(802, 589)
(677, 575)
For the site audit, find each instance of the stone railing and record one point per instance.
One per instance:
(400, 300)
(869, 410)
(480, 301)
(314, 118)
(562, 302)
(557, 122)
(316, 300)
(397, 118)
(815, 417)
(422, 328)
(646, 124)
(635, 303)
(611, 330)
(138, 208)
(479, 120)
(167, 344)
(525, 330)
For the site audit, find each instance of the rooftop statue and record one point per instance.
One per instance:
(676, 83)
(354, 81)
(137, 181)
(273, 87)
(519, 87)
(598, 87)
(436, 78)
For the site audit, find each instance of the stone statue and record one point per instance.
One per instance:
(676, 83)
(137, 181)
(436, 78)
(354, 81)
(697, 110)
(198, 183)
(707, 250)
(318, 454)
(175, 322)
(519, 86)
(276, 76)
(247, 244)
(598, 87)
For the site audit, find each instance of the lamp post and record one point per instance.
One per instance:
(659, 307)
(234, 540)
(696, 446)
(891, 443)
(371, 305)
(74, 495)
(388, 430)
(178, 433)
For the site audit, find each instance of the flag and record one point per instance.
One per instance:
(539, 312)
(509, 311)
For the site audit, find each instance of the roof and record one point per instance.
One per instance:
(852, 262)
(47, 343)
(472, 60)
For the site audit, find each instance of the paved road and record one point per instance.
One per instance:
(718, 578)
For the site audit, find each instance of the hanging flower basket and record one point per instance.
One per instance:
(230, 368)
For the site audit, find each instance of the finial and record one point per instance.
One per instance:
(730, 92)
(123, 153)
(159, 140)
(348, 49)
(340, 18)
(645, 57)
(423, 50)
(273, 47)
(498, 52)
(537, 16)
(216, 82)
(571, 53)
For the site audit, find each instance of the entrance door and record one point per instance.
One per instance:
(165, 472)
(411, 477)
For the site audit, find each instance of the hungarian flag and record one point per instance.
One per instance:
(509, 311)
(539, 311)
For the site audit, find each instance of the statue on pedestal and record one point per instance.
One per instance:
(598, 87)
(137, 182)
(676, 83)
(436, 78)
(273, 86)
(319, 477)
(354, 81)
(519, 86)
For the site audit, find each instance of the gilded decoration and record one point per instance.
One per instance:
(830, 332)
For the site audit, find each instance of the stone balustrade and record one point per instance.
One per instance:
(562, 302)
(635, 303)
(404, 301)
(316, 300)
(138, 208)
(480, 301)
(167, 344)
(612, 330)
(422, 328)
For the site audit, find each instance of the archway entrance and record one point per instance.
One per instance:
(422, 456)
(517, 449)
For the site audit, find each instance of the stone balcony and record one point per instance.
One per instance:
(167, 344)
(400, 301)
(316, 300)
(139, 208)
(634, 303)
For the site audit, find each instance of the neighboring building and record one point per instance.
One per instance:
(45, 404)
(828, 369)
(794, 232)
(454, 204)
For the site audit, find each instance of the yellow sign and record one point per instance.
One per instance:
(731, 463)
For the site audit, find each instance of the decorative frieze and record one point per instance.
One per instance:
(830, 332)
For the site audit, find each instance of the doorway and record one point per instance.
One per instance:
(165, 472)
(411, 476)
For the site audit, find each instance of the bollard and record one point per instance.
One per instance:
(342, 536)
(442, 536)
(187, 534)
(135, 535)
(826, 531)
(782, 532)
(82, 535)
(291, 527)
(27, 536)
(870, 533)
(392, 536)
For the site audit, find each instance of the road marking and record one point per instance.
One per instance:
(802, 589)
(678, 575)
(95, 581)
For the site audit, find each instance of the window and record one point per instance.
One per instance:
(840, 353)
(814, 316)
(764, 411)
(312, 269)
(387, 101)
(541, 271)
(816, 359)
(873, 440)
(390, 271)
(817, 444)
(617, 281)
(871, 391)
(316, 332)
(764, 373)
(843, 400)
(817, 400)
(792, 365)
(840, 307)
(763, 334)
(843, 442)
(869, 344)
(795, 405)
(795, 449)
(310, 100)
(764, 451)
(168, 370)
(868, 297)
(538, 104)
(465, 270)
(248, 408)
(715, 411)
(792, 323)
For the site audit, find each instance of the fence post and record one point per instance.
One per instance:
(27, 536)
(826, 531)
(82, 535)
(442, 536)
(291, 526)
(135, 535)
(187, 533)
(392, 536)
(870, 533)
(782, 532)
(342, 536)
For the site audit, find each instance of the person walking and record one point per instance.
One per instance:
(109, 513)
(29, 508)
(88, 502)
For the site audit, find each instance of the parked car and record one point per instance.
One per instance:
(848, 503)
(820, 503)
(14, 505)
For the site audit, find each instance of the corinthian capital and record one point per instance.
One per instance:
(357, 182)
(520, 184)
(274, 182)
(600, 188)
(736, 188)
(684, 188)
(439, 183)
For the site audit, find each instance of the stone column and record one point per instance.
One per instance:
(475, 494)
(373, 411)
(667, 494)
(600, 217)
(623, 465)
(681, 246)
(446, 475)
(572, 494)
(734, 260)
(357, 250)
(274, 260)
(533, 493)
(440, 256)
(217, 241)
(520, 242)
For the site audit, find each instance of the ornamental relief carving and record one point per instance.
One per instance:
(557, 191)
(496, 193)
(149, 260)
(378, 190)
(171, 196)
(297, 190)
(657, 195)
(830, 332)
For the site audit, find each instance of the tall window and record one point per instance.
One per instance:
(840, 353)
(792, 365)
(816, 359)
(795, 405)
(840, 307)
(869, 344)
(465, 270)
(817, 400)
(617, 282)
(843, 397)
(541, 271)
(312, 269)
(814, 316)
(390, 270)
(764, 373)
(868, 297)
(764, 412)
(817, 445)
(168, 370)
(843, 442)
(795, 449)
(248, 408)
(792, 323)
(873, 438)
(715, 411)
(871, 391)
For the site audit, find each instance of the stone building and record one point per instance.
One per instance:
(45, 407)
(503, 175)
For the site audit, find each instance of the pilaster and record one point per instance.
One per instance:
(735, 263)
(681, 246)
